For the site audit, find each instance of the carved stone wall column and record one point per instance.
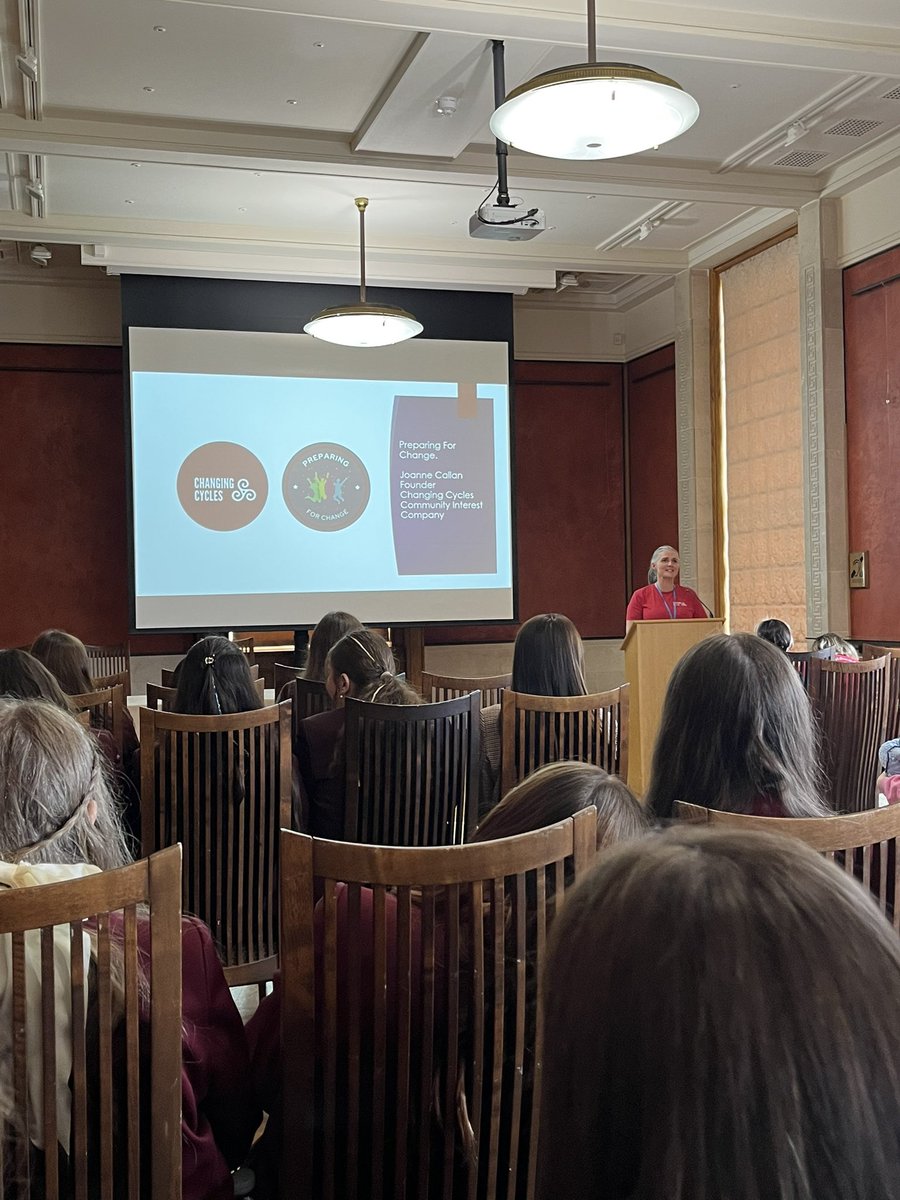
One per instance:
(824, 427)
(692, 397)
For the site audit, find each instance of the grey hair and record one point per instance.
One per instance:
(654, 558)
(51, 767)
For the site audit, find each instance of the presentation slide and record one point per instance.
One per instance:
(276, 477)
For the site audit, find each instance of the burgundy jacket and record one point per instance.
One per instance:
(323, 790)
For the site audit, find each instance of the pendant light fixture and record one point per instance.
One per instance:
(594, 109)
(363, 324)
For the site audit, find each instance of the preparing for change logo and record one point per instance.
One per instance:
(326, 486)
(222, 486)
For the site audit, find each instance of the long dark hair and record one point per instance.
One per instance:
(65, 657)
(548, 659)
(559, 790)
(214, 678)
(367, 661)
(22, 677)
(777, 632)
(329, 630)
(736, 729)
(719, 1021)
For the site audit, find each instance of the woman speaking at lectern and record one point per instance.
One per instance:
(664, 599)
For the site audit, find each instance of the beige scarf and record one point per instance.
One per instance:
(23, 875)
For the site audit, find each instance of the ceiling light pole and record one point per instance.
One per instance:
(363, 324)
(594, 109)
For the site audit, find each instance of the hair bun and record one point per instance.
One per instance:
(386, 676)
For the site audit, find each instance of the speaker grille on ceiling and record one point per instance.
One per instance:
(853, 127)
(893, 94)
(800, 158)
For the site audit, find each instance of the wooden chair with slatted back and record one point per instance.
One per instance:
(246, 645)
(448, 687)
(106, 707)
(110, 660)
(95, 1051)
(892, 719)
(282, 674)
(850, 703)
(412, 771)
(419, 987)
(160, 697)
(222, 787)
(858, 842)
(535, 730)
(800, 662)
(108, 681)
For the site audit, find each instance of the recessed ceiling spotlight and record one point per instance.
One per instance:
(446, 106)
(734, 86)
(148, 89)
(319, 45)
(159, 29)
(129, 202)
(258, 174)
(135, 164)
(292, 101)
(242, 210)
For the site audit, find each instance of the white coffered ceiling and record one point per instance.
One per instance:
(229, 138)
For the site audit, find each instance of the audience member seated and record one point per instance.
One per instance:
(777, 632)
(737, 733)
(359, 665)
(332, 627)
(214, 679)
(22, 677)
(58, 820)
(65, 657)
(888, 783)
(834, 647)
(558, 791)
(548, 660)
(719, 1021)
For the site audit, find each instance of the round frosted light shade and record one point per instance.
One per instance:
(363, 325)
(594, 110)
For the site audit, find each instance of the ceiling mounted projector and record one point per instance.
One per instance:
(507, 223)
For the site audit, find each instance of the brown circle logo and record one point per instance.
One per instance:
(222, 486)
(326, 486)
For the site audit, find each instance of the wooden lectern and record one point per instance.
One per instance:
(652, 648)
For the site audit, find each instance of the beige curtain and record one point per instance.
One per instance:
(762, 435)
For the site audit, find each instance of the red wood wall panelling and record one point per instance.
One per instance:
(652, 457)
(569, 499)
(872, 366)
(63, 530)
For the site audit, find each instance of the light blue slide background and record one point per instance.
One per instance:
(274, 417)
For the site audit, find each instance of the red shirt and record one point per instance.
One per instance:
(649, 604)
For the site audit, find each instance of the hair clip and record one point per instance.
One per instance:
(209, 660)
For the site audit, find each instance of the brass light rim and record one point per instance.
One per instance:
(586, 72)
(364, 310)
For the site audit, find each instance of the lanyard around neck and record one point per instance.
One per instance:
(673, 611)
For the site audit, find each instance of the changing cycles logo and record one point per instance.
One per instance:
(222, 486)
(326, 486)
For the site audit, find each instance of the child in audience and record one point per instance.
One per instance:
(548, 660)
(214, 679)
(719, 1021)
(777, 632)
(58, 816)
(22, 677)
(65, 657)
(888, 784)
(359, 665)
(329, 630)
(834, 647)
(559, 790)
(737, 733)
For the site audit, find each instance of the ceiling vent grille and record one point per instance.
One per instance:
(893, 94)
(853, 127)
(800, 158)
